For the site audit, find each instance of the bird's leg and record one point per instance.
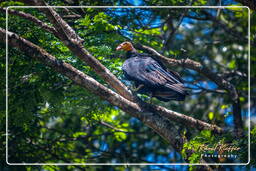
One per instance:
(138, 88)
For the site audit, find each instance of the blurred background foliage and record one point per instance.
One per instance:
(52, 120)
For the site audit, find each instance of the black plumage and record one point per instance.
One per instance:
(154, 78)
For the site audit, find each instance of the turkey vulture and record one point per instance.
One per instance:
(150, 76)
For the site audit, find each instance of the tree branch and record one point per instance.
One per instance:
(68, 36)
(112, 127)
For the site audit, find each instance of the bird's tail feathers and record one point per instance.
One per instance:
(178, 88)
(169, 95)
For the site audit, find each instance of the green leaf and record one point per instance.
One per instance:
(210, 115)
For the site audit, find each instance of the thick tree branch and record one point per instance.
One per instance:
(148, 114)
(68, 36)
(184, 119)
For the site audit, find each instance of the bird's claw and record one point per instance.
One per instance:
(137, 88)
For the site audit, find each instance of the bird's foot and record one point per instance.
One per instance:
(137, 88)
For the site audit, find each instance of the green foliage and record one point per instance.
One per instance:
(195, 144)
(53, 120)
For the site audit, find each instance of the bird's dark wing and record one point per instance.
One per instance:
(149, 72)
(163, 78)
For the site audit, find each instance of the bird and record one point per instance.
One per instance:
(150, 76)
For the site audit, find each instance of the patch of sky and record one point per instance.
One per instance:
(168, 168)
(116, 108)
(117, 11)
(162, 159)
(193, 96)
(143, 18)
(208, 85)
(149, 144)
(228, 2)
(114, 161)
(133, 121)
(156, 22)
(179, 37)
(187, 26)
(245, 113)
(103, 146)
(229, 120)
(242, 168)
(192, 72)
(134, 145)
(165, 159)
(207, 30)
(150, 158)
(253, 111)
(187, 23)
(189, 85)
(196, 87)
(204, 57)
(136, 2)
(118, 150)
(175, 155)
(126, 33)
(96, 144)
(189, 20)
(197, 41)
(227, 110)
(251, 169)
(213, 12)
(188, 78)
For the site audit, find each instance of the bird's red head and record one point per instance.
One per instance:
(126, 46)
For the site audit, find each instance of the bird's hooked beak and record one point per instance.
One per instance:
(119, 47)
(126, 46)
